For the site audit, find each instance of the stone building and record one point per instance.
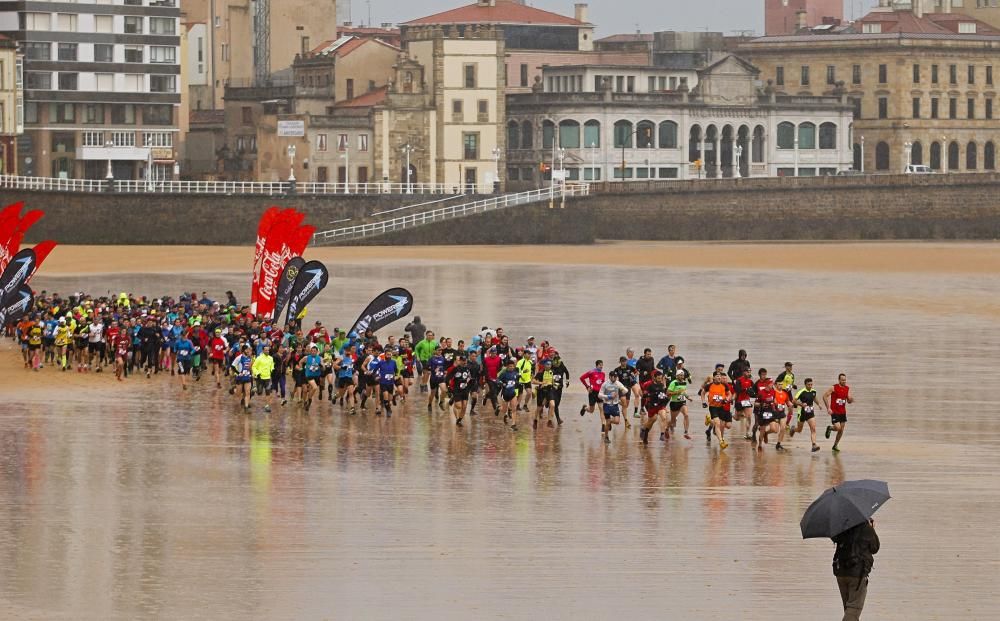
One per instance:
(11, 104)
(782, 17)
(922, 86)
(724, 127)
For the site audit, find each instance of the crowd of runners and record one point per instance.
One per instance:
(192, 338)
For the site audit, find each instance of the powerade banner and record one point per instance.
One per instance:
(286, 283)
(21, 267)
(17, 305)
(392, 305)
(312, 279)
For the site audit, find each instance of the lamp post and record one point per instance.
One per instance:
(408, 149)
(110, 176)
(593, 161)
(562, 178)
(945, 154)
(738, 152)
(496, 168)
(907, 154)
(290, 151)
(862, 154)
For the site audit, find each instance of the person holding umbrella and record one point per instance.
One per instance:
(844, 514)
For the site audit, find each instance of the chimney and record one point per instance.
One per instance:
(918, 8)
(582, 12)
(486, 3)
(801, 20)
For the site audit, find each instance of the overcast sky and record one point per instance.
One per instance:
(613, 16)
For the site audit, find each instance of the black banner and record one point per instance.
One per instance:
(285, 285)
(17, 273)
(311, 280)
(392, 305)
(16, 305)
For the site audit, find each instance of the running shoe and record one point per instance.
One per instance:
(583, 410)
(708, 419)
(643, 435)
(723, 445)
(663, 437)
(549, 424)
(791, 432)
(687, 436)
(534, 424)
(513, 427)
(835, 449)
(267, 408)
(778, 447)
(708, 434)
(458, 422)
(607, 440)
(815, 448)
(829, 430)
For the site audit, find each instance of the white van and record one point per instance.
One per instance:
(918, 169)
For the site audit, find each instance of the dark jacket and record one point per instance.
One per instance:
(856, 550)
(417, 330)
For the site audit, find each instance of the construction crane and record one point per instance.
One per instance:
(262, 41)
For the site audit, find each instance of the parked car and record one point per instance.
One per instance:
(849, 173)
(918, 169)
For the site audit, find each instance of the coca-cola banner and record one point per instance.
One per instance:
(263, 227)
(286, 283)
(16, 305)
(391, 305)
(313, 278)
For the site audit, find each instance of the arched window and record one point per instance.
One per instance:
(527, 135)
(828, 136)
(953, 156)
(694, 143)
(857, 157)
(989, 156)
(548, 134)
(513, 135)
(917, 154)
(623, 134)
(935, 156)
(971, 156)
(786, 135)
(569, 134)
(668, 135)
(882, 156)
(807, 136)
(758, 144)
(592, 134)
(645, 135)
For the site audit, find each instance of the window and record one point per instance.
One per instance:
(883, 107)
(934, 107)
(953, 108)
(953, 156)
(652, 85)
(513, 174)
(989, 108)
(104, 23)
(93, 114)
(362, 142)
(623, 135)
(883, 74)
(620, 84)
(970, 108)
(123, 114)
(807, 136)
(779, 76)
(592, 134)
(524, 74)
(916, 107)
(828, 136)
(483, 111)
(882, 156)
(162, 26)
(105, 82)
(934, 74)
(786, 135)
(162, 54)
(63, 142)
(513, 135)
(569, 134)
(133, 24)
(133, 54)
(668, 135)
(321, 142)
(804, 78)
(548, 134)
(966, 27)
(972, 74)
(162, 114)
(63, 113)
(989, 74)
(66, 22)
(246, 115)
(469, 72)
(37, 21)
(527, 135)
(30, 112)
(856, 74)
(631, 84)
(104, 53)
(350, 88)
(989, 156)
(591, 174)
(953, 74)
(971, 157)
(343, 143)
(667, 173)
(869, 28)
(935, 156)
(163, 84)
(857, 107)
(916, 74)
(831, 74)
(470, 144)
(457, 111)
(37, 51)
(41, 80)
(68, 81)
(645, 135)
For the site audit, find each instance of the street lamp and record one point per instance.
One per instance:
(110, 177)
(291, 162)
(408, 149)
(945, 154)
(496, 167)
(908, 154)
(562, 174)
(738, 151)
(346, 156)
(862, 154)
(593, 161)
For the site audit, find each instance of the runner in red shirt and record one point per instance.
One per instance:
(217, 347)
(742, 387)
(492, 365)
(655, 398)
(763, 409)
(841, 396)
(592, 380)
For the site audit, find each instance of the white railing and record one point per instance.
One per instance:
(311, 187)
(51, 184)
(142, 186)
(123, 139)
(157, 139)
(450, 212)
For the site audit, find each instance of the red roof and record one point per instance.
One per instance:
(369, 99)
(627, 38)
(346, 47)
(504, 12)
(930, 23)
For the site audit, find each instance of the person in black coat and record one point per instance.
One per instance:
(852, 562)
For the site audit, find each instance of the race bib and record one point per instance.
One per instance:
(808, 409)
(745, 404)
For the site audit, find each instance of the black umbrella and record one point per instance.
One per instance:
(843, 507)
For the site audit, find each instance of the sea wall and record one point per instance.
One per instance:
(876, 207)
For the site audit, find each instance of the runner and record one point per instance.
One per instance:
(783, 410)
(279, 376)
(655, 397)
(492, 366)
(121, 345)
(717, 397)
(709, 427)
(217, 356)
(614, 397)
(243, 369)
(765, 416)
(387, 369)
(423, 352)
(738, 367)
(346, 379)
(560, 379)
(526, 371)
(182, 351)
(544, 382)
(437, 367)
(743, 386)
(592, 380)
(805, 399)
(507, 383)
(312, 367)
(840, 394)
(263, 370)
(678, 402)
(460, 379)
(63, 338)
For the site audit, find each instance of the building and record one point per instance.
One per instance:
(724, 127)
(343, 69)
(922, 86)
(782, 17)
(296, 27)
(101, 83)
(221, 49)
(987, 11)
(385, 32)
(11, 105)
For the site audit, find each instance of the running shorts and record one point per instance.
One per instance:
(544, 395)
(509, 396)
(744, 404)
(593, 398)
(94, 348)
(722, 414)
(344, 382)
(183, 368)
(806, 414)
(838, 418)
(263, 386)
(461, 395)
(525, 387)
(675, 406)
(611, 410)
(654, 411)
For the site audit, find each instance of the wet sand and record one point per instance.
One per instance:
(139, 501)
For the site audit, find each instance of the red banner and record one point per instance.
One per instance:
(42, 250)
(277, 252)
(263, 227)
